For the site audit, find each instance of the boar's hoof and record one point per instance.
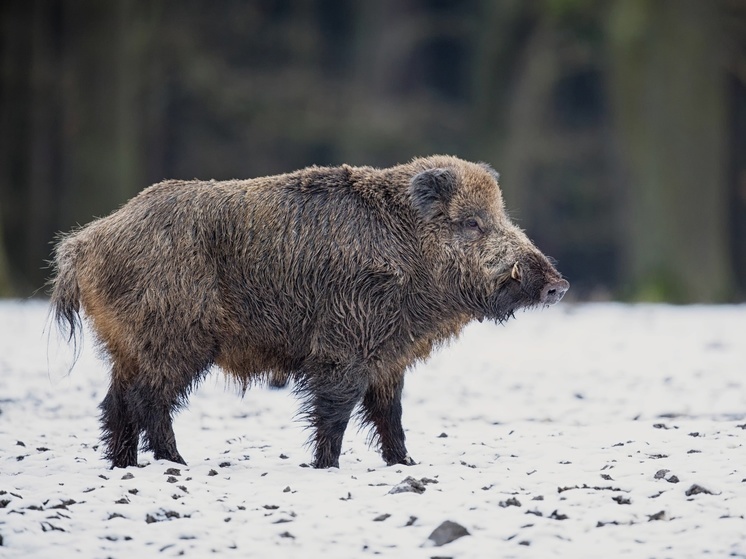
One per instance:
(171, 457)
(320, 464)
(553, 292)
(406, 461)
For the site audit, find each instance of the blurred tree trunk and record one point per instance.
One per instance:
(43, 148)
(668, 102)
(6, 288)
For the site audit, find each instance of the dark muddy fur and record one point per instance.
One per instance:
(335, 280)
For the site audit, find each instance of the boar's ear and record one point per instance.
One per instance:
(432, 190)
(487, 167)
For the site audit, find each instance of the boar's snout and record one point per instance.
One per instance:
(553, 291)
(539, 280)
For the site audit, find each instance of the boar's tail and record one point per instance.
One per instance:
(65, 298)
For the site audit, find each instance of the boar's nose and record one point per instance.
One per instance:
(553, 292)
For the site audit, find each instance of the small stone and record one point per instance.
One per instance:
(673, 479)
(212, 473)
(511, 502)
(128, 475)
(381, 517)
(696, 490)
(172, 472)
(660, 474)
(408, 485)
(660, 515)
(447, 532)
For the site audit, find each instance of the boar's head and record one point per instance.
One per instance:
(486, 266)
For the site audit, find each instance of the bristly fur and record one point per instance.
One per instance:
(337, 279)
(65, 297)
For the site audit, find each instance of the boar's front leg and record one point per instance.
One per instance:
(332, 392)
(382, 409)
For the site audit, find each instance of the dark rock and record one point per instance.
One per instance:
(447, 532)
(660, 515)
(660, 474)
(696, 490)
(64, 504)
(408, 485)
(511, 502)
(381, 517)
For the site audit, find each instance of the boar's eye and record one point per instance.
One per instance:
(472, 224)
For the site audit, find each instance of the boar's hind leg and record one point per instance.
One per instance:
(121, 435)
(333, 392)
(382, 410)
(153, 407)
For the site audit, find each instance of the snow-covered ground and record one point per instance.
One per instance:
(595, 430)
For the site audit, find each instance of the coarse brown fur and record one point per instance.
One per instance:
(337, 278)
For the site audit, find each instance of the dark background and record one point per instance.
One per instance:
(618, 126)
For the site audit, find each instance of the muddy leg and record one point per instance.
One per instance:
(382, 409)
(153, 410)
(333, 395)
(120, 433)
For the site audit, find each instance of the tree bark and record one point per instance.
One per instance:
(668, 104)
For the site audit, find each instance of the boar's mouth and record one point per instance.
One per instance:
(524, 286)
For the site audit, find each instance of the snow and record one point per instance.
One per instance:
(575, 431)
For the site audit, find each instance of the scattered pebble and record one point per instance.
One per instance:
(447, 532)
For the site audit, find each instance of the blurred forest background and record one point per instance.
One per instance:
(618, 126)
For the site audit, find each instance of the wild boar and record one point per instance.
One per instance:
(337, 278)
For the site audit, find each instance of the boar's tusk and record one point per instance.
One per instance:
(515, 273)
